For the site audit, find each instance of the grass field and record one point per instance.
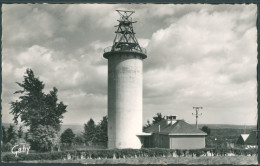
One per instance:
(235, 160)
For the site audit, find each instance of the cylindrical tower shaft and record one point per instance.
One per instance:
(125, 86)
(125, 96)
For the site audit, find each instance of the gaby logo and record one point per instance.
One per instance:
(20, 149)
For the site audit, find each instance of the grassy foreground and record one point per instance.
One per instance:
(236, 160)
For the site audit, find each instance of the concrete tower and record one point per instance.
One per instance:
(125, 85)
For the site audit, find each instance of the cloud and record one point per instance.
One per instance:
(194, 33)
(81, 83)
(198, 55)
(196, 61)
(39, 23)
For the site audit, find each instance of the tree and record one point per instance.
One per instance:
(4, 135)
(38, 110)
(90, 134)
(26, 136)
(67, 136)
(147, 125)
(34, 107)
(206, 129)
(102, 130)
(20, 132)
(43, 138)
(79, 139)
(157, 118)
(11, 135)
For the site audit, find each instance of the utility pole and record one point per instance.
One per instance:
(197, 114)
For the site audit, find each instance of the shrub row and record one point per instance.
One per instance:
(34, 156)
(125, 153)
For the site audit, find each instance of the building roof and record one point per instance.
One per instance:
(252, 138)
(143, 134)
(180, 127)
(244, 136)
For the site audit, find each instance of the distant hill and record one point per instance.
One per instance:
(78, 129)
(227, 126)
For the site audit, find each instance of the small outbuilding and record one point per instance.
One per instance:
(251, 141)
(242, 139)
(174, 134)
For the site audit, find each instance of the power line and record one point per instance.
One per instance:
(197, 114)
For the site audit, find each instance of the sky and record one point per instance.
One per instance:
(198, 55)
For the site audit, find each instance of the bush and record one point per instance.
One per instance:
(7, 147)
(199, 153)
(179, 152)
(9, 157)
(33, 156)
(121, 153)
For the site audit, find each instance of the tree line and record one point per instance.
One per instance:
(10, 136)
(42, 114)
(93, 134)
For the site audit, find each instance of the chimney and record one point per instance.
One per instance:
(171, 119)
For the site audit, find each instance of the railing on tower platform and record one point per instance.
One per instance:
(109, 49)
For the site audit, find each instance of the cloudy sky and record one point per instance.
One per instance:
(198, 55)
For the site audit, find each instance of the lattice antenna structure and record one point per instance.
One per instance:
(125, 39)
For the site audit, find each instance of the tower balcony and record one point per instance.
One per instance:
(112, 50)
(124, 49)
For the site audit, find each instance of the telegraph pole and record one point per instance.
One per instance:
(197, 114)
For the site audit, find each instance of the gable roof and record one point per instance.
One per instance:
(252, 138)
(180, 127)
(244, 136)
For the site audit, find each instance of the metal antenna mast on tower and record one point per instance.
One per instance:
(125, 36)
(197, 114)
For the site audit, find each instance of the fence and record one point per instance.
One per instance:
(109, 49)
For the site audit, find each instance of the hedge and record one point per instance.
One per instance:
(125, 153)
